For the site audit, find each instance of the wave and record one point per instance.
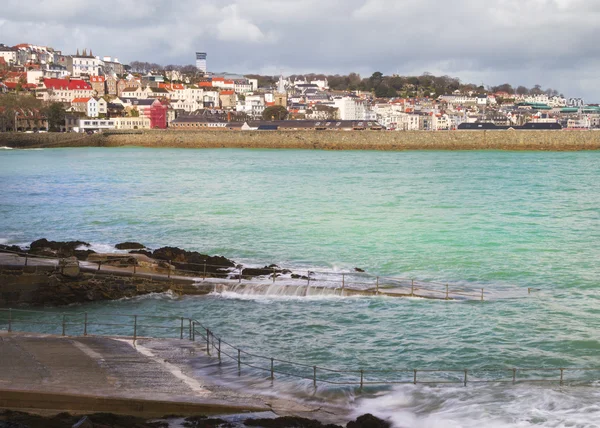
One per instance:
(6, 148)
(494, 406)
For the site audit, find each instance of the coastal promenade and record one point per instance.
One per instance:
(147, 378)
(320, 140)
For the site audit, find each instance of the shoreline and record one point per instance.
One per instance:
(319, 140)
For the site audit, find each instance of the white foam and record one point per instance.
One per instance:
(6, 148)
(102, 248)
(485, 406)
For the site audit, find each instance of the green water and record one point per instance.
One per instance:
(505, 221)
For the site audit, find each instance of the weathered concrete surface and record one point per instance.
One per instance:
(325, 140)
(93, 374)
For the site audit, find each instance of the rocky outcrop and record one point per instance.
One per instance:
(130, 246)
(264, 271)
(43, 247)
(368, 421)
(217, 266)
(287, 422)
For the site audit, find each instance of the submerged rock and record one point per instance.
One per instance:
(130, 246)
(205, 422)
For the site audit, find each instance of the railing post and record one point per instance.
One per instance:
(415, 376)
(85, 322)
(514, 375)
(204, 276)
(447, 292)
(273, 275)
(9, 320)
(181, 336)
(561, 376)
(134, 328)
(315, 376)
(190, 320)
(193, 331)
(361, 379)
(412, 288)
(529, 291)
(343, 283)
(308, 276)
(169, 270)
(239, 361)
(240, 277)
(25, 260)
(465, 377)
(272, 369)
(377, 285)
(482, 294)
(208, 341)
(219, 350)
(99, 264)
(63, 324)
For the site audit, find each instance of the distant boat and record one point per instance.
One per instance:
(493, 127)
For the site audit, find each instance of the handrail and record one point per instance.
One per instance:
(349, 280)
(188, 328)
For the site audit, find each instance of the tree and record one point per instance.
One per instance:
(522, 90)
(275, 113)
(55, 113)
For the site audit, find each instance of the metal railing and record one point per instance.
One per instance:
(135, 327)
(342, 283)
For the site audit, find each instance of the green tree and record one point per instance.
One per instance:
(275, 113)
(55, 113)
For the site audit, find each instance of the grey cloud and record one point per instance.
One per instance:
(550, 42)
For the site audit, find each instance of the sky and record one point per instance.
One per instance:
(554, 43)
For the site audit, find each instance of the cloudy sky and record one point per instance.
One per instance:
(554, 43)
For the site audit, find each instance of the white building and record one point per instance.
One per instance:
(350, 108)
(79, 65)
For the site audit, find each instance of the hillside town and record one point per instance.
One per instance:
(42, 89)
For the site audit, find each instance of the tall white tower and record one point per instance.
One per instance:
(201, 61)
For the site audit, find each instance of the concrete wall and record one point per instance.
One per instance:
(326, 140)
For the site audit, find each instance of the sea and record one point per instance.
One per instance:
(524, 226)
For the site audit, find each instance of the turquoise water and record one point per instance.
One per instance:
(505, 221)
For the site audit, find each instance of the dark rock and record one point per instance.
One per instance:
(60, 249)
(368, 421)
(267, 270)
(194, 261)
(130, 246)
(13, 248)
(358, 269)
(204, 422)
(287, 422)
(83, 254)
(144, 252)
(13, 419)
(296, 276)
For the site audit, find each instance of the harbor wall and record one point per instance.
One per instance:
(324, 140)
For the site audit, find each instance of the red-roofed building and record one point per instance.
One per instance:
(92, 107)
(172, 86)
(64, 90)
(220, 82)
(98, 85)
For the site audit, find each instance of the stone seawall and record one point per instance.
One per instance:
(46, 285)
(324, 140)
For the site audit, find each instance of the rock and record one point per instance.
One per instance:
(113, 259)
(83, 254)
(130, 246)
(358, 269)
(296, 276)
(368, 421)
(204, 422)
(144, 252)
(194, 261)
(60, 249)
(12, 248)
(287, 422)
(69, 267)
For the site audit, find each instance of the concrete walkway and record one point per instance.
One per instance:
(153, 378)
